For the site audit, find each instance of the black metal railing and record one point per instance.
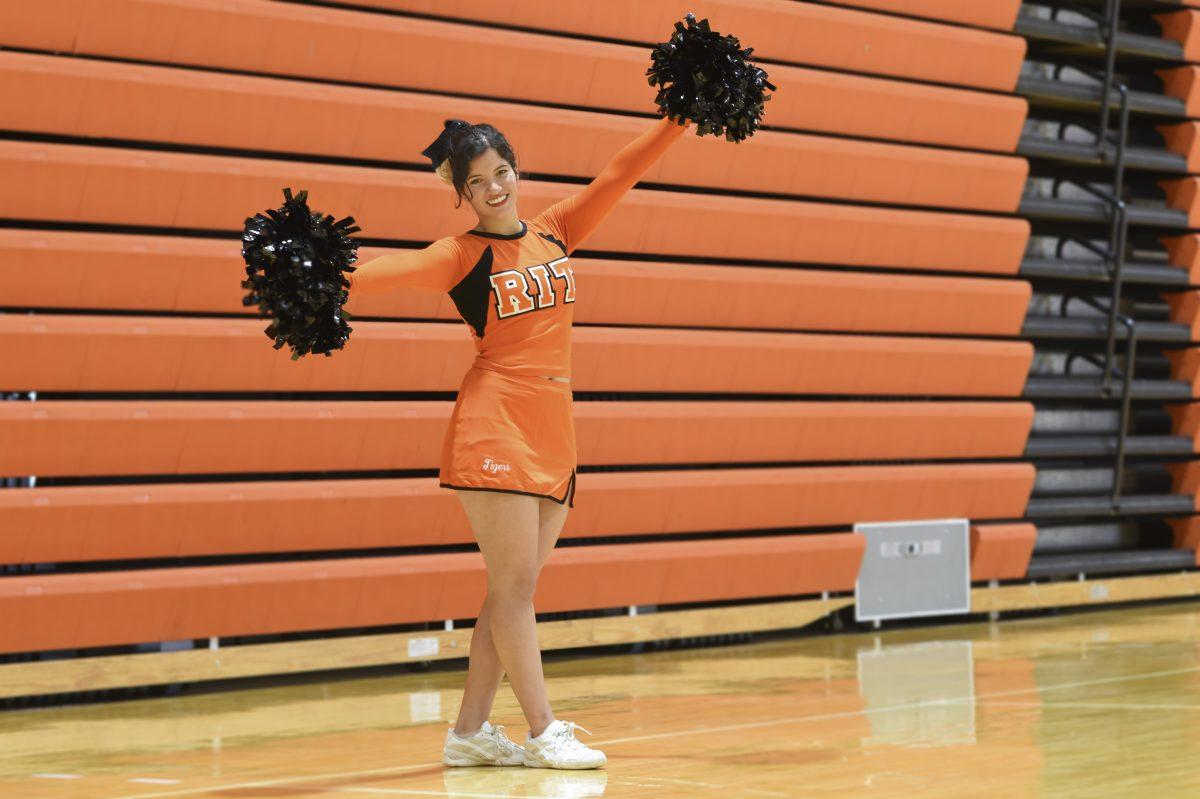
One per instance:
(1109, 147)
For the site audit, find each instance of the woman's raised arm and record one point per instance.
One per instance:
(438, 266)
(575, 217)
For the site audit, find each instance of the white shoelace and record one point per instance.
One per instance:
(567, 735)
(502, 740)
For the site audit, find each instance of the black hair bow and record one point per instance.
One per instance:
(440, 149)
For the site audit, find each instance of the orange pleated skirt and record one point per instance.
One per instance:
(511, 433)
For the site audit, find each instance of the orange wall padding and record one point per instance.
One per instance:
(1185, 417)
(1182, 27)
(1184, 194)
(1001, 551)
(75, 183)
(372, 48)
(1185, 476)
(1182, 83)
(1184, 252)
(1000, 14)
(778, 30)
(142, 521)
(82, 437)
(162, 104)
(1187, 531)
(1183, 138)
(1185, 309)
(1185, 366)
(106, 353)
(49, 269)
(81, 610)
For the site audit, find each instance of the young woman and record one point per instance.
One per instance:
(509, 451)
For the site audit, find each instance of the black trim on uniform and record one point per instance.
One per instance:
(569, 495)
(549, 237)
(571, 490)
(524, 229)
(473, 292)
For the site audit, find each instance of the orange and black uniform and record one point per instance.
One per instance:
(511, 429)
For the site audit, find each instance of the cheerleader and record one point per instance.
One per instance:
(509, 450)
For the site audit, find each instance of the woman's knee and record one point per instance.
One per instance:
(506, 529)
(507, 589)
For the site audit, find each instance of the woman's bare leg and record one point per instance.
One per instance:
(484, 673)
(513, 566)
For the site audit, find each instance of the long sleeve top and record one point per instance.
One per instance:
(517, 291)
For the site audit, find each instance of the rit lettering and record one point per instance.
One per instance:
(519, 291)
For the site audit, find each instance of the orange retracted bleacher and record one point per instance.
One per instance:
(88, 610)
(98, 438)
(827, 329)
(110, 99)
(1184, 251)
(82, 270)
(988, 13)
(112, 523)
(87, 184)
(780, 31)
(1182, 27)
(57, 352)
(411, 53)
(1001, 551)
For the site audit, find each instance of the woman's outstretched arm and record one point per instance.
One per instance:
(578, 215)
(438, 266)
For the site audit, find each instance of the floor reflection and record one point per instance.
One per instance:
(927, 689)
(520, 781)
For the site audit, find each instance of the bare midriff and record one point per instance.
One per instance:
(563, 379)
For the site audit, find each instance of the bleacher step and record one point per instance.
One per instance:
(1157, 159)
(1140, 560)
(1133, 505)
(1097, 271)
(1102, 446)
(1055, 327)
(1050, 209)
(1052, 93)
(1088, 41)
(1090, 388)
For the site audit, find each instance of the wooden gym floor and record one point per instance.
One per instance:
(1083, 704)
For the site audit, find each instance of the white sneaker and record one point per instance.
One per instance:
(487, 746)
(557, 747)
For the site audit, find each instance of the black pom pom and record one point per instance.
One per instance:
(705, 77)
(294, 261)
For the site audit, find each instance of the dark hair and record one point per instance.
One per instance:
(461, 143)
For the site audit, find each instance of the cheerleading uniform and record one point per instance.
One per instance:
(512, 429)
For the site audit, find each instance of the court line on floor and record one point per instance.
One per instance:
(280, 781)
(930, 703)
(415, 792)
(1096, 705)
(690, 731)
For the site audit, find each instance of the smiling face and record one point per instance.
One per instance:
(490, 178)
